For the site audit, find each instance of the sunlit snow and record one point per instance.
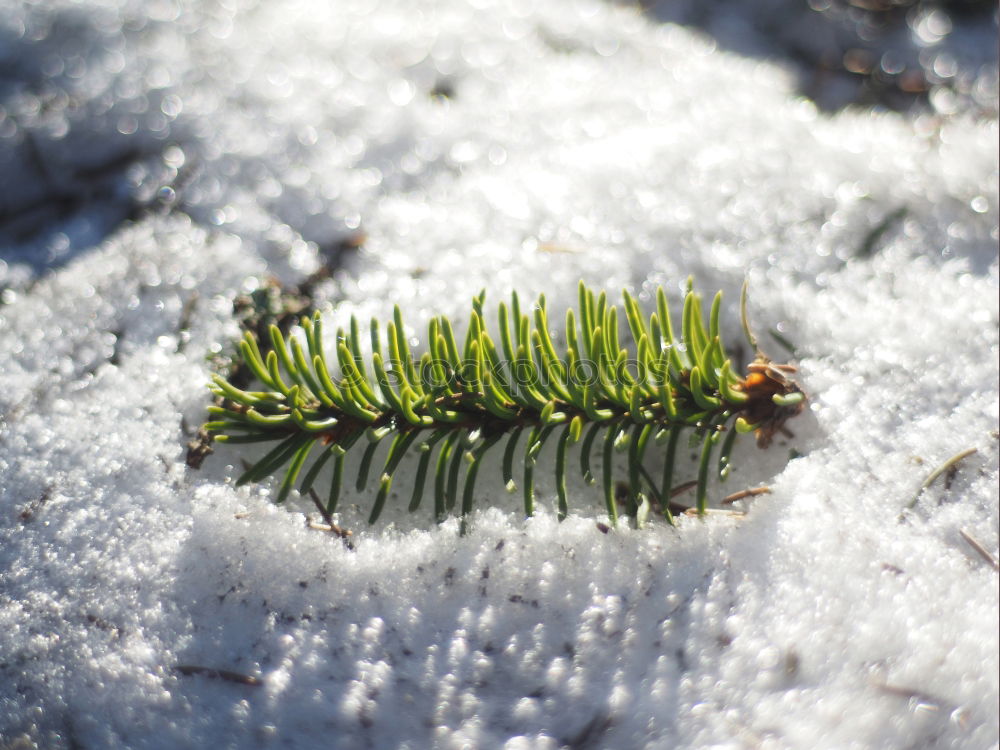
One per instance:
(159, 158)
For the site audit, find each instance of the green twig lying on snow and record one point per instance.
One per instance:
(454, 403)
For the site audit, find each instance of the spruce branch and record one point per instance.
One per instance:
(453, 404)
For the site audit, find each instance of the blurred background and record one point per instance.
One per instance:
(906, 55)
(90, 125)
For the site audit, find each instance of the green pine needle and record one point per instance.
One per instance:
(455, 404)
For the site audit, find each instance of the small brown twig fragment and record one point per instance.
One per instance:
(221, 674)
(983, 552)
(683, 487)
(199, 448)
(743, 494)
(320, 507)
(679, 508)
(332, 528)
(328, 524)
(29, 511)
(675, 508)
(946, 466)
(712, 512)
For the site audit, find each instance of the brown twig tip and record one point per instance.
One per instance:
(328, 524)
(743, 494)
(219, 674)
(773, 398)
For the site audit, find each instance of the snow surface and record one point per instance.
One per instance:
(158, 155)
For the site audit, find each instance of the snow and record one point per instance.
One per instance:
(163, 157)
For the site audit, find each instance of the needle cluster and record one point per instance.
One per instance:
(624, 388)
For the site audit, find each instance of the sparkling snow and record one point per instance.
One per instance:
(158, 158)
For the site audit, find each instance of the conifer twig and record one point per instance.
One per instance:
(462, 397)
